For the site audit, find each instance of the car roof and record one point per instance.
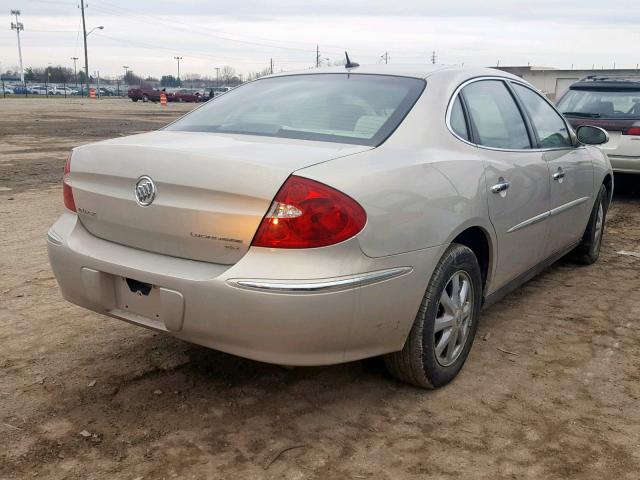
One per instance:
(413, 71)
(608, 82)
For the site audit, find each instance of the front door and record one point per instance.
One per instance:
(570, 171)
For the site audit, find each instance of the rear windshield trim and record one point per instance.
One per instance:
(388, 129)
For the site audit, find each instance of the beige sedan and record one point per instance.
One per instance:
(332, 215)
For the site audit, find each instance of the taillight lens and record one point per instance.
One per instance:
(307, 214)
(632, 131)
(67, 192)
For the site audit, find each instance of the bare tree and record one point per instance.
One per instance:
(227, 73)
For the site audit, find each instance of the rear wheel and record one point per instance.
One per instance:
(446, 324)
(589, 249)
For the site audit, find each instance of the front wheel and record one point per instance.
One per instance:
(446, 323)
(588, 251)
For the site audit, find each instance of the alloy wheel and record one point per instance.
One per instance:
(453, 318)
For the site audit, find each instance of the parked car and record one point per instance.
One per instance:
(613, 103)
(327, 216)
(148, 94)
(187, 96)
(106, 92)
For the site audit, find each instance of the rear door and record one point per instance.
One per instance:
(517, 177)
(570, 168)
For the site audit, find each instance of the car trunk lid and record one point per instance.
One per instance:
(212, 190)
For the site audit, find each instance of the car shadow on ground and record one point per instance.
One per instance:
(626, 187)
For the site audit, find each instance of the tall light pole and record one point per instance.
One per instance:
(75, 70)
(217, 76)
(85, 35)
(178, 59)
(17, 27)
(126, 70)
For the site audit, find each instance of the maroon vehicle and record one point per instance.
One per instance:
(148, 94)
(188, 96)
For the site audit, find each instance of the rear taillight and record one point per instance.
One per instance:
(67, 192)
(307, 214)
(632, 131)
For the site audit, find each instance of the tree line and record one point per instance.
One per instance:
(226, 75)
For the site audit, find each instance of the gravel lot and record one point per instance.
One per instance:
(88, 397)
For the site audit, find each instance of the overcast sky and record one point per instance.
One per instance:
(147, 34)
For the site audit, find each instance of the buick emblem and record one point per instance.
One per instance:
(145, 191)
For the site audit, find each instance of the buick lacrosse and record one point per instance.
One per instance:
(332, 215)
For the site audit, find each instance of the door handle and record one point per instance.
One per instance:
(559, 175)
(501, 186)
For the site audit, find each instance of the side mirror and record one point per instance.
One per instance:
(589, 135)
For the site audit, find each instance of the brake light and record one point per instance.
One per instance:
(632, 131)
(67, 192)
(308, 214)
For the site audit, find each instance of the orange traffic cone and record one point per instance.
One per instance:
(92, 93)
(163, 100)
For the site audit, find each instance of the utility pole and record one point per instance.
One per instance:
(433, 57)
(86, 55)
(17, 27)
(317, 56)
(126, 71)
(178, 59)
(271, 66)
(385, 57)
(217, 76)
(75, 70)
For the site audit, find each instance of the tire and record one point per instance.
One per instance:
(134, 99)
(588, 251)
(419, 362)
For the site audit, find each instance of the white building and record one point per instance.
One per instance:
(553, 82)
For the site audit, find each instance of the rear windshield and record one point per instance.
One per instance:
(344, 108)
(601, 103)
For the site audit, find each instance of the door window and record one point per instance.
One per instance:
(495, 115)
(551, 128)
(458, 123)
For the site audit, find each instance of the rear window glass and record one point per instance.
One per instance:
(495, 115)
(601, 103)
(344, 108)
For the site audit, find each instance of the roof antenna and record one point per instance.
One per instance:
(349, 63)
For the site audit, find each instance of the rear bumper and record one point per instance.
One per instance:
(624, 164)
(325, 306)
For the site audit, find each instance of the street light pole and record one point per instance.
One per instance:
(218, 77)
(86, 55)
(75, 70)
(85, 35)
(17, 27)
(178, 59)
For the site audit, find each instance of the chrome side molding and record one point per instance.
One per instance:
(320, 285)
(54, 238)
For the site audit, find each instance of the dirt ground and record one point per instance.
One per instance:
(88, 397)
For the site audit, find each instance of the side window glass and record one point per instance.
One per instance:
(495, 115)
(458, 124)
(551, 129)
